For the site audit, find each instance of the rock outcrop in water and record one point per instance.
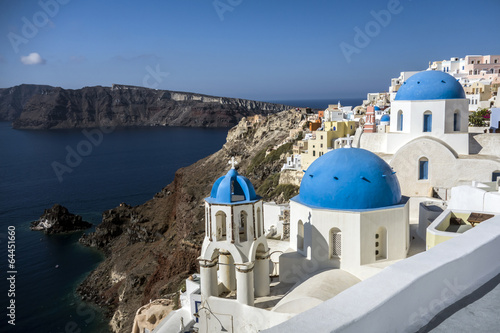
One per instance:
(58, 220)
(125, 106)
(150, 249)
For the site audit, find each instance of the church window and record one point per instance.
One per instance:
(427, 121)
(220, 222)
(400, 120)
(300, 236)
(496, 61)
(381, 243)
(423, 170)
(259, 226)
(456, 121)
(314, 152)
(207, 223)
(243, 226)
(335, 243)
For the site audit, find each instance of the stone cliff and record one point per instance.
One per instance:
(13, 100)
(119, 105)
(150, 249)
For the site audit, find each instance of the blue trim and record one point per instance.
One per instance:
(428, 122)
(423, 169)
(404, 201)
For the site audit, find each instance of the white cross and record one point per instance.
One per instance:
(233, 162)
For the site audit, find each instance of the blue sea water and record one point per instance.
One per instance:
(124, 165)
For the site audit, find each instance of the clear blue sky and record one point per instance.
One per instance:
(257, 49)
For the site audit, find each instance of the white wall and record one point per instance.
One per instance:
(442, 123)
(407, 295)
(272, 213)
(236, 317)
(358, 229)
(475, 199)
(429, 210)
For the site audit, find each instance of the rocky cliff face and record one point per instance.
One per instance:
(13, 100)
(153, 247)
(121, 106)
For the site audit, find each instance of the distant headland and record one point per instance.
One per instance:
(47, 107)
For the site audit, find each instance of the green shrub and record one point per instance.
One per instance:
(479, 118)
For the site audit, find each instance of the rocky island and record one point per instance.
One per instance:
(151, 248)
(58, 220)
(46, 107)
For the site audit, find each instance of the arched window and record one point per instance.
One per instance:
(335, 243)
(427, 121)
(423, 168)
(381, 244)
(243, 226)
(456, 121)
(400, 120)
(220, 222)
(260, 227)
(300, 236)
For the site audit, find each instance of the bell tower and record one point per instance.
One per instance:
(235, 254)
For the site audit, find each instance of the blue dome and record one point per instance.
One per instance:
(232, 188)
(376, 108)
(349, 178)
(385, 118)
(430, 85)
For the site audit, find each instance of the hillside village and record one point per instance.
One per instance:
(401, 189)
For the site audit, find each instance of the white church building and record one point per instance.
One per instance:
(429, 145)
(349, 214)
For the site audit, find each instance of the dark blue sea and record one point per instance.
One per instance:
(88, 174)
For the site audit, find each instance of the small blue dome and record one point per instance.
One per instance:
(430, 85)
(385, 118)
(351, 179)
(376, 108)
(232, 188)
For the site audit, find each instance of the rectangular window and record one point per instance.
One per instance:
(314, 153)
(424, 169)
(456, 122)
(336, 244)
(427, 122)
